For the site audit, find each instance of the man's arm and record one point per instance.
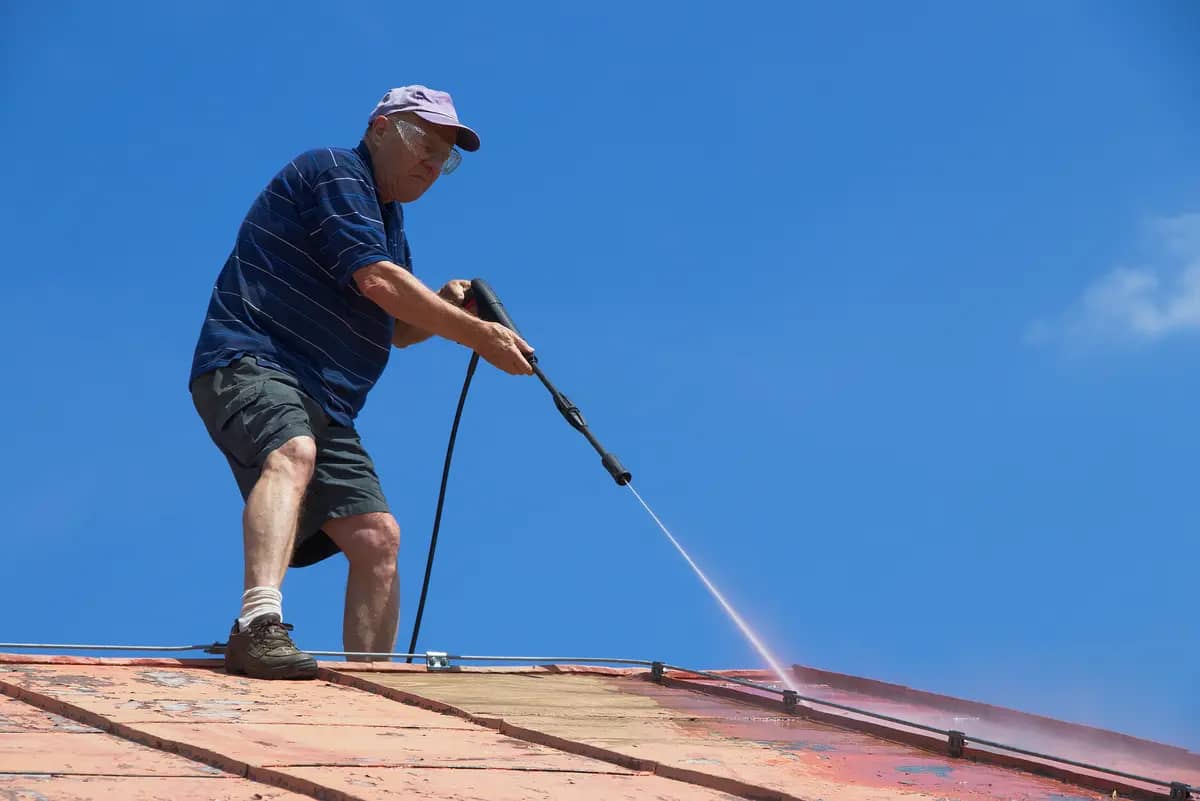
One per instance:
(454, 293)
(405, 334)
(409, 301)
(399, 293)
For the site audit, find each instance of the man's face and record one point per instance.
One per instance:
(408, 155)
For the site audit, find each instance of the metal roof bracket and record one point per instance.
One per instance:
(791, 700)
(957, 743)
(437, 660)
(656, 672)
(1180, 792)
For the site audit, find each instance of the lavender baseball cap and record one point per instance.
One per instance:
(428, 104)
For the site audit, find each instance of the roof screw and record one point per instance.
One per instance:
(790, 700)
(656, 672)
(957, 743)
(1180, 792)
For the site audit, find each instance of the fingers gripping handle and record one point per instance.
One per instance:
(491, 309)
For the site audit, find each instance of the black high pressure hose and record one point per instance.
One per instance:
(437, 517)
(490, 308)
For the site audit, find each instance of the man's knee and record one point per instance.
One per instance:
(295, 459)
(372, 539)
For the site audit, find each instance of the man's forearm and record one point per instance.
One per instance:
(404, 297)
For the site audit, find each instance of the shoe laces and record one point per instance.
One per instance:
(274, 630)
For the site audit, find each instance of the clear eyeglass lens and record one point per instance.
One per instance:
(419, 140)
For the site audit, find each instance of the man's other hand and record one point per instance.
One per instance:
(455, 292)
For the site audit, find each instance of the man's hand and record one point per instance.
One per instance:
(404, 297)
(501, 346)
(455, 292)
(504, 349)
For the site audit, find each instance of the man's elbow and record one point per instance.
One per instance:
(374, 279)
(401, 334)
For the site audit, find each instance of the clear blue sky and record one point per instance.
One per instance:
(893, 310)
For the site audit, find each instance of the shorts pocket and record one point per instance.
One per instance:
(224, 407)
(236, 436)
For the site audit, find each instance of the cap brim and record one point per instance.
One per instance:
(467, 139)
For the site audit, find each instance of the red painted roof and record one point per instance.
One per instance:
(83, 728)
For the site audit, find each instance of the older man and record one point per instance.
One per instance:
(301, 322)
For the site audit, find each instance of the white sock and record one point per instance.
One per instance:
(258, 601)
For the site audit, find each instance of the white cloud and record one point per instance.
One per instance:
(1146, 303)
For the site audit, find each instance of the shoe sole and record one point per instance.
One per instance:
(297, 670)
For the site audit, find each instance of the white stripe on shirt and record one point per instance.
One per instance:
(284, 241)
(337, 316)
(317, 230)
(302, 179)
(332, 180)
(298, 336)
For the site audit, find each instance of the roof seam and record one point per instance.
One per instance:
(694, 777)
(116, 775)
(234, 767)
(225, 722)
(418, 766)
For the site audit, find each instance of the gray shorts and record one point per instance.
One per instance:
(250, 410)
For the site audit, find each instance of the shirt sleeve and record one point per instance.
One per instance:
(345, 223)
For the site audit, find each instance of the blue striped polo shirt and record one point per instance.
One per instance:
(286, 294)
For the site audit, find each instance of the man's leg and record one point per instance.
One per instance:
(272, 511)
(370, 542)
(259, 644)
(265, 427)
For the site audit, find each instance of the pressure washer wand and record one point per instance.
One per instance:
(491, 309)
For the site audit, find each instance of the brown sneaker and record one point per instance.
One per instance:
(266, 651)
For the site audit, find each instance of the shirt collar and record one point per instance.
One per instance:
(364, 153)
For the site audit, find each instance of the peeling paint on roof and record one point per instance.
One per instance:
(45, 756)
(170, 729)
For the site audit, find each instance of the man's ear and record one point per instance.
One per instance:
(378, 128)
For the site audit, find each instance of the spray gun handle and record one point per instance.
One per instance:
(491, 309)
(489, 306)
